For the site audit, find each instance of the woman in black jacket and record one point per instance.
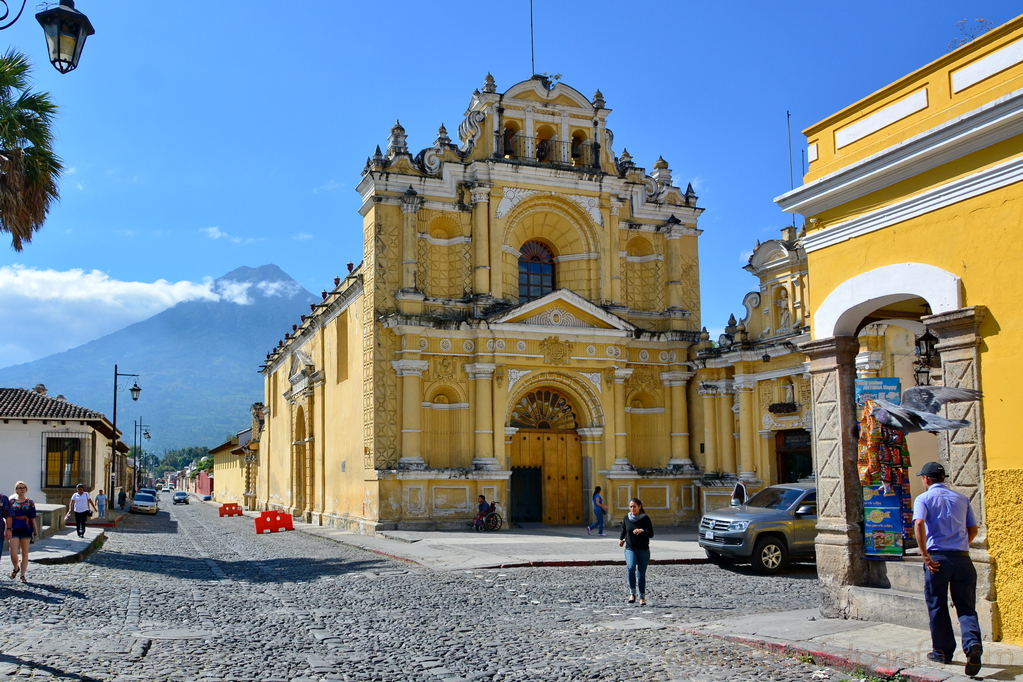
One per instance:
(636, 533)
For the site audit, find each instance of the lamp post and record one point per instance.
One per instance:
(65, 29)
(138, 433)
(135, 390)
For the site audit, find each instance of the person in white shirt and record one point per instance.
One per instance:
(79, 505)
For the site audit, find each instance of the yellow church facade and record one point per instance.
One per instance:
(913, 202)
(521, 328)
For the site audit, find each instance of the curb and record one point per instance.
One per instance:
(76, 557)
(593, 562)
(821, 657)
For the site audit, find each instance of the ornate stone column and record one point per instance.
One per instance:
(839, 545)
(676, 382)
(481, 239)
(621, 431)
(708, 391)
(747, 428)
(483, 374)
(726, 428)
(410, 373)
(963, 451)
(674, 266)
(411, 202)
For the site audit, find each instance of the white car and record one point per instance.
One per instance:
(144, 503)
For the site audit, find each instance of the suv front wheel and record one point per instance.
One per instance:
(770, 555)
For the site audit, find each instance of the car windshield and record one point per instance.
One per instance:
(180, 495)
(143, 497)
(775, 498)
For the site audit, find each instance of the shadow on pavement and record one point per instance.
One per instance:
(53, 672)
(247, 570)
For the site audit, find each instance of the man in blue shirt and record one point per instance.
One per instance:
(944, 527)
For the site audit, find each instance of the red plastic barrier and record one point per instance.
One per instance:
(274, 522)
(230, 509)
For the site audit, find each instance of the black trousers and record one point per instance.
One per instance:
(80, 519)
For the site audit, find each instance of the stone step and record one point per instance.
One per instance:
(893, 606)
(906, 575)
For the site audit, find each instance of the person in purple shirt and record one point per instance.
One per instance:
(944, 526)
(5, 520)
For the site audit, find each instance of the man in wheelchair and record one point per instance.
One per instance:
(483, 508)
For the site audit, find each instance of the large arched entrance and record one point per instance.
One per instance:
(546, 460)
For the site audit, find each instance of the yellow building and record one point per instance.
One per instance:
(234, 464)
(753, 383)
(519, 328)
(913, 200)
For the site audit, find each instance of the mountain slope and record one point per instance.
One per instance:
(198, 361)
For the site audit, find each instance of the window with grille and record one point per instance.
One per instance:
(536, 271)
(66, 464)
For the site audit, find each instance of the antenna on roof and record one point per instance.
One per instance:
(792, 184)
(532, 51)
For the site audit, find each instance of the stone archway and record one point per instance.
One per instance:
(546, 459)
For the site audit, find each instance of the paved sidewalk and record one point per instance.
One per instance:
(66, 547)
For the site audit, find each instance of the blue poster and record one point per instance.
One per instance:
(882, 524)
(885, 388)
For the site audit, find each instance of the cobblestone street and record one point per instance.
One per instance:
(189, 596)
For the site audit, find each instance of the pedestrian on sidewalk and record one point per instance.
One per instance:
(636, 533)
(122, 499)
(79, 505)
(598, 510)
(944, 526)
(101, 505)
(23, 528)
(5, 520)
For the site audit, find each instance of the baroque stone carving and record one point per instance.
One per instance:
(556, 317)
(555, 351)
(511, 198)
(591, 205)
(594, 378)
(514, 375)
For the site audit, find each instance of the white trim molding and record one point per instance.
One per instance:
(843, 309)
(933, 199)
(882, 118)
(982, 127)
(996, 62)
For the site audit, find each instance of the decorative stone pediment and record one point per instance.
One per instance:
(561, 309)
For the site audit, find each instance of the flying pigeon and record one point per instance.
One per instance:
(919, 409)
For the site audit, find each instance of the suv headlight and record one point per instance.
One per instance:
(738, 525)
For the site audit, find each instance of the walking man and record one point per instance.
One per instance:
(944, 527)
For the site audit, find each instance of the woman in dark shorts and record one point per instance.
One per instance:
(23, 527)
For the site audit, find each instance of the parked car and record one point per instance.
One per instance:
(180, 497)
(776, 525)
(144, 503)
(150, 491)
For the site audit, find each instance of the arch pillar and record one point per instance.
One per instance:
(747, 441)
(707, 392)
(481, 240)
(677, 385)
(621, 432)
(410, 373)
(840, 553)
(483, 374)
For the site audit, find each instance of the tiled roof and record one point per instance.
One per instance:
(22, 403)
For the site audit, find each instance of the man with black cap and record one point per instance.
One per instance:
(944, 526)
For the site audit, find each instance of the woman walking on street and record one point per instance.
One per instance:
(598, 510)
(79, 504)
(101, 505)
(23, 527)
(636, 533)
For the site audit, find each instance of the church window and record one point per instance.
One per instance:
(536, 271)
(543, 409)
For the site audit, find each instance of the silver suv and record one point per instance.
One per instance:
(777, 524)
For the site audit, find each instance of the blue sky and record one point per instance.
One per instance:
(238, 136)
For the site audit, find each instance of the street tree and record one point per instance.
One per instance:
(29, 168)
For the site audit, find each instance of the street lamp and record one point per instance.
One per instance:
(138, 433)
(65, 29)
(135, 390)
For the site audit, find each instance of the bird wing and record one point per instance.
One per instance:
(931, 398)
(907, 417)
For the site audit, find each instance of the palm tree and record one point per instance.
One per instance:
(29, 169)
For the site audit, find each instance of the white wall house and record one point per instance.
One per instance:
(53, 445)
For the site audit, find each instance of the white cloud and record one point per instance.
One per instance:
(330, 186)
(302, 236)
(744, 256)
(217, 233)
(235, 292)
(282, 289)
(48, 311)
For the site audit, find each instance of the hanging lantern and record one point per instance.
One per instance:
(66, 30)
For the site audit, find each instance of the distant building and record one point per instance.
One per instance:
(54, 445)
(234, 464)
(913, 200)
